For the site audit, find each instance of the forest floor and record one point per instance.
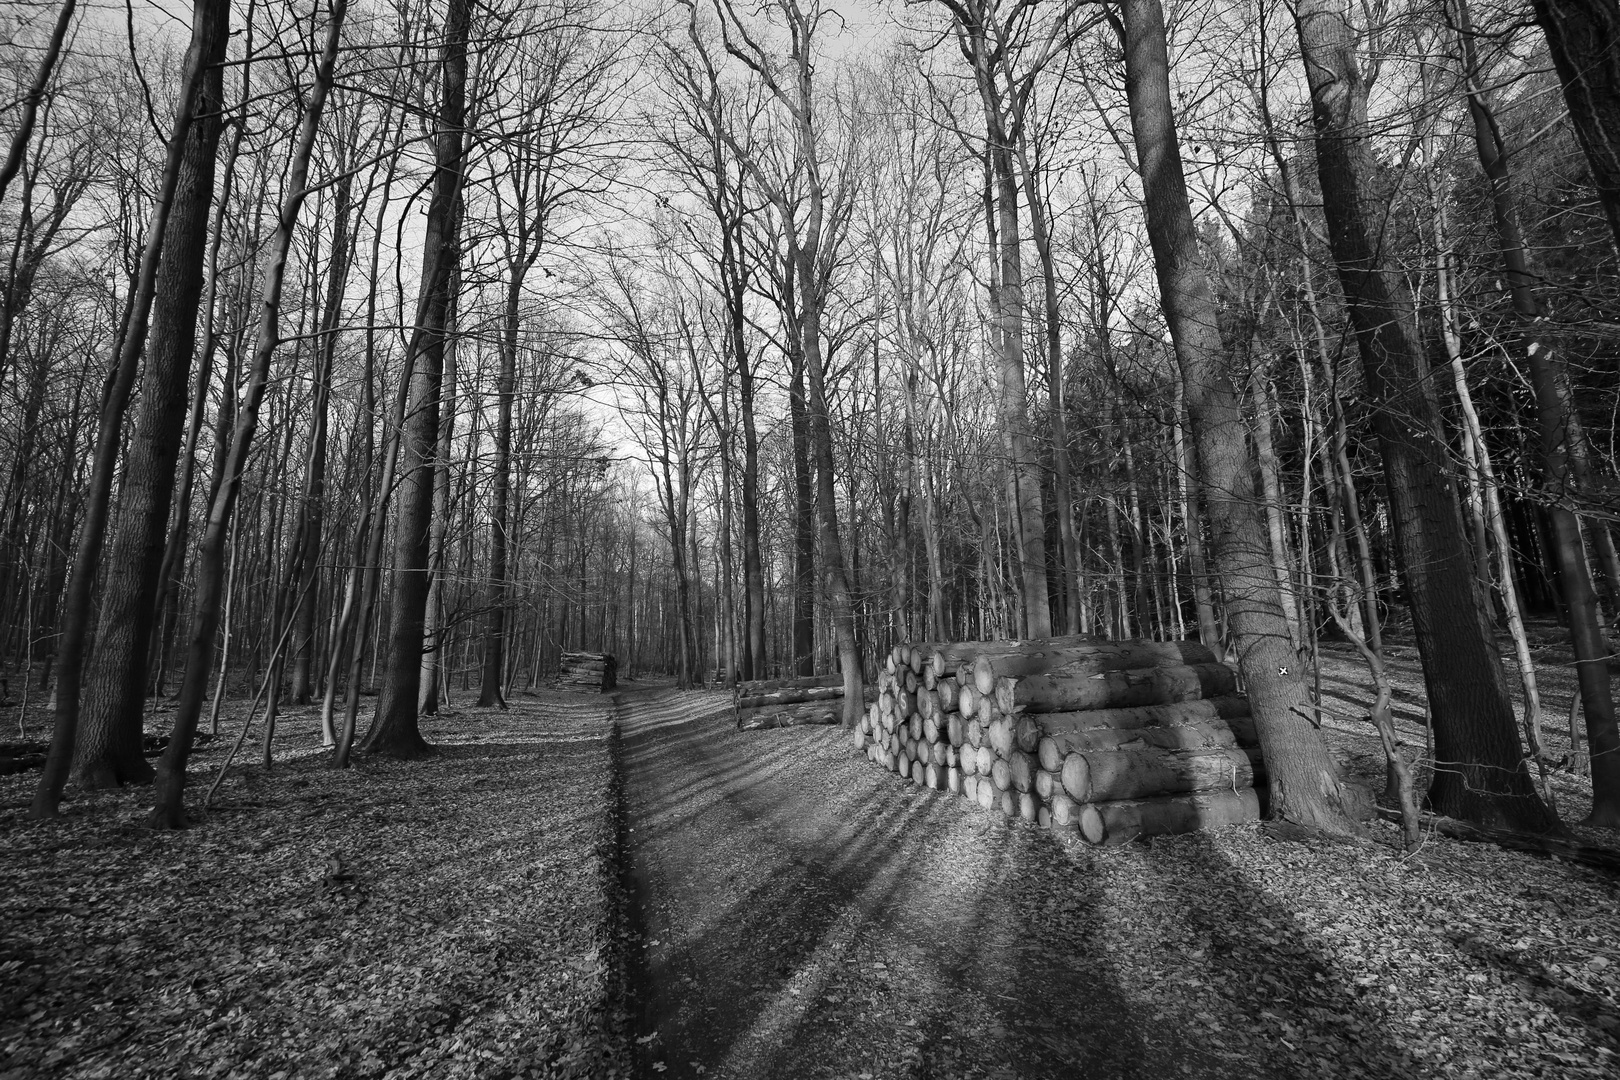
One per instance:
(449, 917)
(769, 904)
(801, 913)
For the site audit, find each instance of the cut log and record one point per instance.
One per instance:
(1047, 784)
(953, 781)
(998, 733)
(1007, 804)
(791, 696)
(787, 716)
(860, 739)
(755, 687)
(1121, 822)
(1141, 774)
(975, 733)
(934, 776)
(987, 759)
(1225, 707)
(987, 710)
(1065, 811)
(947, 655)
(949, 694)
(1001, 774)
(968, 761)
(1026, 734)
(955, 729)
(986, 793)
(1028, 807)
(1121, 689)
(1021, 771)
(1051, 657)
(588, 671)
(1205, 736)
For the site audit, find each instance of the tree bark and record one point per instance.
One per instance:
(1479, 771)
(209, 19)
(168, 810)
(36, 93)
(1584, 38)
(312, 509)
(394, 730)
(1554, 411)
(1305, 784)
(109, 749)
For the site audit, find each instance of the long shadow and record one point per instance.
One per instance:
(1579, 1006)
(1275, 975)
(843, 877)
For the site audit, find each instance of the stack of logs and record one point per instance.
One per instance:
(589, 671)
(1112, 740)
(772, 703)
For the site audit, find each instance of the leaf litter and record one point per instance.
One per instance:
(826, 919)
(450, 917)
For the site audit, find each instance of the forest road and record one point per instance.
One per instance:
(797, 912)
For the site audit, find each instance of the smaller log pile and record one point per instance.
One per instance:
(772, 703)
(589, 671)
(1110, 740)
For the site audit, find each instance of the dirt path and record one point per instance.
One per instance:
(804, 914)
(797, 912)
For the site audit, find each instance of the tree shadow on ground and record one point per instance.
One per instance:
(1274, 975)
(868, 927)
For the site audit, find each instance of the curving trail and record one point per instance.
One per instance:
(802, 913)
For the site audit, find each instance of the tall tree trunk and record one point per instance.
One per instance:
(433, 629)
(312, 508)
(804, 514)
(1554, 409)
(394, 730)
(1192, 516)
(209, 21)
(1305, 784)
(500, 498)
(754, 655)
(24, 134)
(1040, 228)
(168, 807)
(1584, 38)
(1029, 511)
(1271, 488)
(1479, 771)
(109, 749)
(836, 577)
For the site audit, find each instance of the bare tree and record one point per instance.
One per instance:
(1480, 766)
(394, 729)
(1305, 785)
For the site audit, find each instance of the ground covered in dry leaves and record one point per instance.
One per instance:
(577, 889)
(450, 917)
(803, 913)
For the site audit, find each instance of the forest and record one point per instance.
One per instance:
(362, 360)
